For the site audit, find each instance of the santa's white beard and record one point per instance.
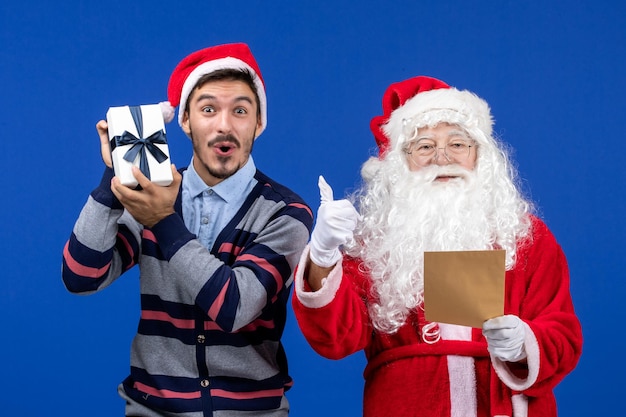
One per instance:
(416, 215)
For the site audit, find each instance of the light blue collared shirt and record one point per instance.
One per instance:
(207, 210)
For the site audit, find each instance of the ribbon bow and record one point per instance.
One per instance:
(140, 144)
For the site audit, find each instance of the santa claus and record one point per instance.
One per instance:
(441, 182)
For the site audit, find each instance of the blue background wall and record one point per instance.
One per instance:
(553, 73)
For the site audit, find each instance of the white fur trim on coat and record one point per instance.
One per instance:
(461, 373)
(532, 359)
(324, 295)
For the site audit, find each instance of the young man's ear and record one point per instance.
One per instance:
(259, 125)
(185, 123)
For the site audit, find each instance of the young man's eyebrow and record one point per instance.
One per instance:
(243, 98)
(206, 96)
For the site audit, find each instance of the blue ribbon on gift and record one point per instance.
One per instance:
(140, 144)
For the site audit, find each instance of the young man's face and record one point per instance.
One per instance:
(222, 121)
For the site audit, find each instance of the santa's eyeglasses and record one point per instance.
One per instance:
(424, 151)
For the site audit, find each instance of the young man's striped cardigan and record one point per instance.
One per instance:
(211, 322)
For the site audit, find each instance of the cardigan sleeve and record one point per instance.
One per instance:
(104, 243)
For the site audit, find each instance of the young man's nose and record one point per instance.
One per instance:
(224, 122)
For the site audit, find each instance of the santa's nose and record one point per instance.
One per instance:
(441, 158)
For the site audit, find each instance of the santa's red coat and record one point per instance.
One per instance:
(454, 376)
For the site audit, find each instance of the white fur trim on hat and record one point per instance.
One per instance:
(430, 108)
(219, 64)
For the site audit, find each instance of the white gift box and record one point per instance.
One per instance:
(137, 137)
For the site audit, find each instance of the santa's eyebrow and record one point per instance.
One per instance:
(449, 134)
(457, 133)
(424, 137)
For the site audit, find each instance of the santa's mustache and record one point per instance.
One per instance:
(224, 138)
(430, 173)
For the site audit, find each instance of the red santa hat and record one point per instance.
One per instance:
(424, 101)
(395, 96)
(205, 61)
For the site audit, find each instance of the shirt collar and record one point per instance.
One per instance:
(228, 189)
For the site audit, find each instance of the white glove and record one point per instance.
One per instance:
(336, 220)
(505, 337)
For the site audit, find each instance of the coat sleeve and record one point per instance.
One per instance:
(539, 293)
(334, 319)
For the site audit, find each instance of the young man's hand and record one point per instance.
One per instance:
(152, 202)
(105, 148)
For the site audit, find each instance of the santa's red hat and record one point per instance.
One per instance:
(426, 101)
(395, 96)
(208, 60)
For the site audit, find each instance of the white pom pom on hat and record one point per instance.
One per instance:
(167, 111)
(208, 60)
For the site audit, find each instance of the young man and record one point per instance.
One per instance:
(216, 250)
(441, 183)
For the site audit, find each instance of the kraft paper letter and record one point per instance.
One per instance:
(464, 287)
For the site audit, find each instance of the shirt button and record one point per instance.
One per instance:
(201, 338)
(205, 220)
(204, 383)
